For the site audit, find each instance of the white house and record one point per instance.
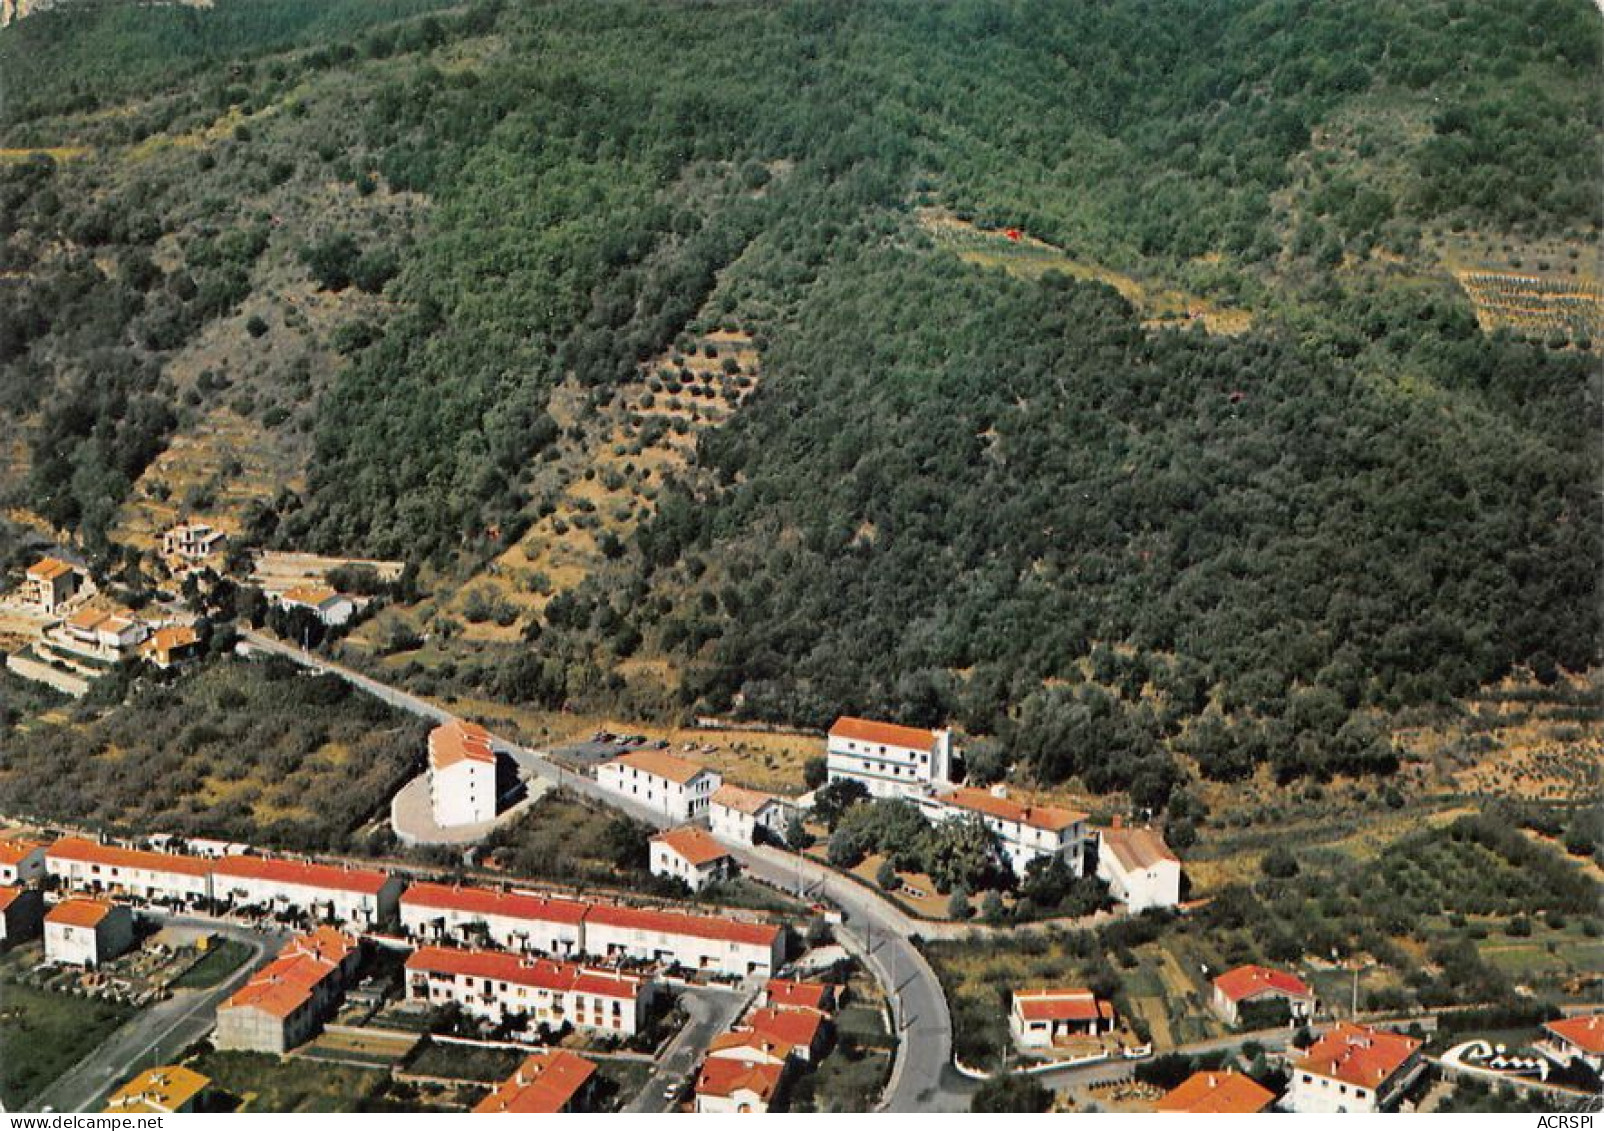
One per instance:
(192, 540)
(672, 786)
(726, 1085)
(462, 774)
(495, 986)
(1139, 868)
(51, 583)
(286, 1002)
(1043, 1018)
(737, 814)
(107, 633)
(1575, 1038)
(471, 916)
(332, 608)
(689, 853)
(698, 942)
(22, 912)
(87, 932)
(1026, 832)
(164, 877)
(1245, 986)
(21, 861)
(360, 897)
(889, 760)
(1353, 1068)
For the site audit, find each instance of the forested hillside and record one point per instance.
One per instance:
(364, 244)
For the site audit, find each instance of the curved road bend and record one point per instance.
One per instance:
(922, 1077)
(157, 1034)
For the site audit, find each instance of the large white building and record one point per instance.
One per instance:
(698, 942)
(469, 916)
(1139, 868)
(21, 861)
(691, 855)
(164, 877)
(87, 932)
(360, 897)
(678, 789)
(738, 815)
(494, 986)
(889, 760)
(286, 1002)
(462, 774)
(1026, 832)
(1353, 1068)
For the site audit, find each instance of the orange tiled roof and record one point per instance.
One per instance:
(791, 1026)
(660, 765)
(1251, 981)
(79, 912)
(723, 1076)
(48, 569)
(164, 1089)
(284, 985)
(484, 901)
(1217, 1093)
(9, 895)
(545, 1084)
(314, 595)
(538, 973)
(784, 994)
(1062, 1005)
(87, 619)
(14, 852)
(329, 877)
(171, 637)
(1035, 816)
(883, 734)
(749, 801)
(83, 851)
(695, 845)
(1137, 848)
(1585, 1033)
(1358, 1055)
(673, 923)
(459, 741)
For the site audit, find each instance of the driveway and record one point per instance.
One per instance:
(709, 1011)
(158, 1033)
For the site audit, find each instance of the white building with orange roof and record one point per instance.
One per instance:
(360, 897)
(462, 774)
(82, 865)
(51, 583)
(678, 789)
(87, 932)
(22, 912)
(887, 759)
(286, 1002)
(746, 1043)
(696, 942)
(171, 645)
(783, 993)
(106, 632)
(1575, 1038)
(1139, 868)
(1042, 1018)
(1026, 832)
(1216, 1092)
(331, 607)
(496, 986)
(741, 815)
(554, 1082)
(1249, 986)
(726, 1085)
(691, 855)
(22, 861)
(1353, 1068)
(512, 920)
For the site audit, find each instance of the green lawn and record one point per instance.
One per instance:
(43, 1033)
(214, 966)
(263, 1083)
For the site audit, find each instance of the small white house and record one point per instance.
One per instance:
(191, 540)
(87, 932)
(333, 609)
(21, 861)
(1039, 1019)
(1139, 868)
(737, 814)
(1246, 986)
(889, 760)
(727, 1086)
(1575, 1038)
(672, 786)
(1353, 1069)
(462, 774)
(690, 854)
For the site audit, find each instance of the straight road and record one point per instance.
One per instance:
(922, 1076)
(156, 1034)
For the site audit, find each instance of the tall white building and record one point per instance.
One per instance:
(87, 932)
(1026, 832)
(462, 774)
(889, 760)
(672, 786)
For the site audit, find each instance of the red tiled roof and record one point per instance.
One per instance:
(1061, 1005)
(1137, 848)
(749, 801)
(792, 1026)
(883, 734)
(660, 765)
(545, 1084)
(673, 923)
(539, 973)
(485, 901)
(79, 912)
(14, 852)
(1252, 981)
(327, 943)
(723, 1076)
(328, 877)
(1358, 1055)
(784, 994)
(87, 619)
(1585, 1033)
(1217, 1093)
(82, 851)
(743, 1038)
(459, 741)
(693, 844)
(1036, 816)
(284, 985)
(48, 569)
